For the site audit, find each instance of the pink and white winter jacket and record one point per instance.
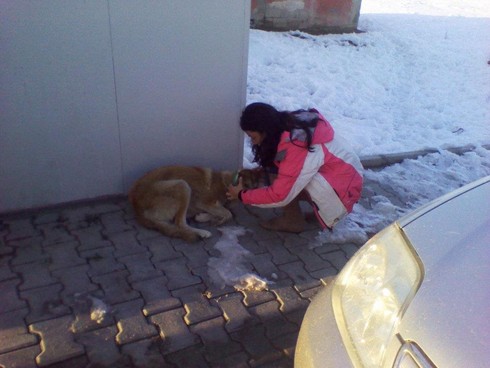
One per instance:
(331, 173)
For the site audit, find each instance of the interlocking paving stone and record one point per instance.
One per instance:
(311, 260)
(253, 339)
(34, 275)
(217, 344)
(324, 274)
(173, 330)
(288, 298)
(28, 251)
(3, 228)
(196, 254)
(100, 346)
(113, 205)
(295, 316)
(262, 236)
(74, 280)
(80, 361)
(272, 319)
(161, 249)
(101, 261)
(281, 362)
(242, 215)
(350, 249)
(266, 268)
(91, 238)
(212, 288)
(156, 296)
(44, 303)
(126, 244)
(280, 255)
(10, 299)
(57, 342)
(324, 249)
(310, 234)
(292, 242)
(6, 272)
(198, 308)
(13, 331)
(239, 360)
(116, 287)
(64, 255)
(338, 259)
(286, 343)
(234, 311)
(140, 267)
(189, 357)
(146, 353)
(47, 218)
(253, 246)
(22, 358)
(20, 228)
(254, 297)
(80, 217)
(131, 323)
(114, 222)
(4, 249)
(143, 233)
(302, 279)
(178, 274)
(55, 233)
(310, 293)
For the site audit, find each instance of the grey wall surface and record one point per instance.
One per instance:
(95, 93)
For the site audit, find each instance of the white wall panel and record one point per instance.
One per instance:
(58, 128)
(94, 93)
(181, 78)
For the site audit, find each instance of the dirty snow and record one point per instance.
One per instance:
(232, 268)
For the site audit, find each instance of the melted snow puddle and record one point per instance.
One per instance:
(232, 267)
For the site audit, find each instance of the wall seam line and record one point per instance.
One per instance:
(116, 98)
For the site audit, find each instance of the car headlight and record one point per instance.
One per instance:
(372, 292)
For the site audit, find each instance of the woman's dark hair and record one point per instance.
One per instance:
(264, 118)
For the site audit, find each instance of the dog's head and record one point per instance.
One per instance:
(252, 178)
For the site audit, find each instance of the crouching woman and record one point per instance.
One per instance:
(312, 164)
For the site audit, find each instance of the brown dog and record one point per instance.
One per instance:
(164, 198)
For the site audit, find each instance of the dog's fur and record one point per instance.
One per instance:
(164, 198)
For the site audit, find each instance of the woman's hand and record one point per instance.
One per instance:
(233, 191)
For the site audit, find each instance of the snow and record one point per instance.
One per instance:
(417, 77)
(232, 268)
(413, 80)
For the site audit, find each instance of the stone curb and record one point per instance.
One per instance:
(377, 161)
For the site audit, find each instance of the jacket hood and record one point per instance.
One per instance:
(323, 132)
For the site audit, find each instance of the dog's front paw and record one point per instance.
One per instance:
(203, 234)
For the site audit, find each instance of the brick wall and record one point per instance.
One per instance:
(312, 16)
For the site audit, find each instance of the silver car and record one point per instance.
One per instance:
(415, 295)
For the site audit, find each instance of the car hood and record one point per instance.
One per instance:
(449, 318)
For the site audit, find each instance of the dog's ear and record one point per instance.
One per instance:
(252, 178)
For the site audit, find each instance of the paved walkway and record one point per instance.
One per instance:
(86, 286)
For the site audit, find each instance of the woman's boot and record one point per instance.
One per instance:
(291, 221)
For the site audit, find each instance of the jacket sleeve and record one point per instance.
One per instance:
(295, 172)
